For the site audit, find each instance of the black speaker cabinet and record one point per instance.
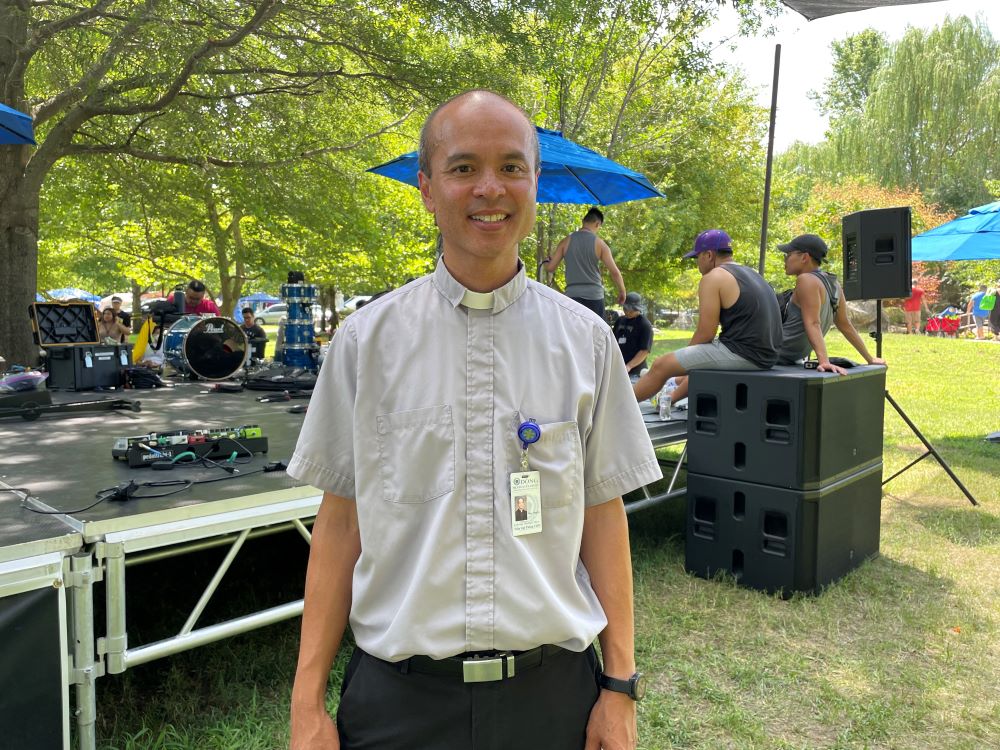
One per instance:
(779, 540)
(877, 254)
(788, 426)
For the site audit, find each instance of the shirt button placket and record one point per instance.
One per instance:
(479, 481)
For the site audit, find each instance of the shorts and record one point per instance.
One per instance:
(712, 356)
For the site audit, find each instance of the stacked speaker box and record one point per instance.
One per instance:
(784, 480)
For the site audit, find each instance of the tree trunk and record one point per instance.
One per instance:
(18, 259)
(18, 204)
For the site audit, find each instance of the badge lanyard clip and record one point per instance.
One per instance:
(528, 432)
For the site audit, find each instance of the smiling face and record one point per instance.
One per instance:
(483, 183)
(108, 315)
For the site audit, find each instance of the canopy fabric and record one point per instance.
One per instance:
(975, 236)
(260, 297)
(813, 9)
(571, 173)
(15, 127)
(71, 293)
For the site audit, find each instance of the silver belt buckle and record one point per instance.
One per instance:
(487, 670)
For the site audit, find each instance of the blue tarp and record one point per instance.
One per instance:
(975, 236)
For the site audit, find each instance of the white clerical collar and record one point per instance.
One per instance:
(478, 300)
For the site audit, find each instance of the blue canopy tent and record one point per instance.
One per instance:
(72, 293)
(571, 173)
(15, 127)
(975, 236)
(257, 300)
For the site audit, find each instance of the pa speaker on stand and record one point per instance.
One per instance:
(877, 265)
(877, 260)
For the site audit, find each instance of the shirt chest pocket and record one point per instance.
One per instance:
(416, 454)
(558, 458)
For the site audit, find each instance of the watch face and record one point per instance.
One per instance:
(638, 686)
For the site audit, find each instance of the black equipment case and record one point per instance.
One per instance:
(67, 331)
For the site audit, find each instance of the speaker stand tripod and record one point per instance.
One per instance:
(931, 450)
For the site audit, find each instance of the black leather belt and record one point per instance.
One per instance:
(485, 667)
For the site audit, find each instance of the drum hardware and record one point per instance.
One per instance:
(297, 336)
(210, 348)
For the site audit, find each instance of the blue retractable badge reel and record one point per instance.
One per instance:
(528, 432)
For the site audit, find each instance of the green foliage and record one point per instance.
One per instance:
(932, 119)
(856, 59)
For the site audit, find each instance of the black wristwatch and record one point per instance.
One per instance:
(634, 687)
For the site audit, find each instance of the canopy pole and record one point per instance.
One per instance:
(770, 158)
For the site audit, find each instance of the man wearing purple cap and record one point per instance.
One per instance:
(733, 296)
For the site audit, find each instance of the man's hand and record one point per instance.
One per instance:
(621, 296)
(612, 724)
(878, 361)
(313, 729)
(830, 367)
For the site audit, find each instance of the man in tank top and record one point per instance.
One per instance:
(584, 250)
(733, 297)
(815, 305)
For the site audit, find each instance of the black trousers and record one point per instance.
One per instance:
(381, 708)
(597, 305)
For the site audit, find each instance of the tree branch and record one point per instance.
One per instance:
(48, 30)
(75, 93)
(209, 48)
(126, 149)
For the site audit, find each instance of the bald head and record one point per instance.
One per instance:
(430, 138)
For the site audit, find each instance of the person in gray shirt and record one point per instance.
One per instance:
(436, 407)
(584, 250)
(733, 298)
(816, 304)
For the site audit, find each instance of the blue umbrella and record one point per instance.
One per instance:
(975, 236)
(570, 174)
(15, 127)
(71, 293)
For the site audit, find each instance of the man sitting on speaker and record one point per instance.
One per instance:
(815, 305)
(734, 297)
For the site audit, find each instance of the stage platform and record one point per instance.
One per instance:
(63, 459)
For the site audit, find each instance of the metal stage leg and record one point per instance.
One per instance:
(114, 645)
(931, 451)
(85, 670)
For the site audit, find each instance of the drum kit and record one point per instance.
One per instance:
(214, 348)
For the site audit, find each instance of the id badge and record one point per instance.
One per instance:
(525, 502)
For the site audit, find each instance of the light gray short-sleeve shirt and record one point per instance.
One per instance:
(414, 416)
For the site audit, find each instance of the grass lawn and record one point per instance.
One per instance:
(902, 653)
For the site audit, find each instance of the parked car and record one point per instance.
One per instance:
(352, 303)
(272, 315)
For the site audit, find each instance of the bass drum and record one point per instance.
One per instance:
(208, 348)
